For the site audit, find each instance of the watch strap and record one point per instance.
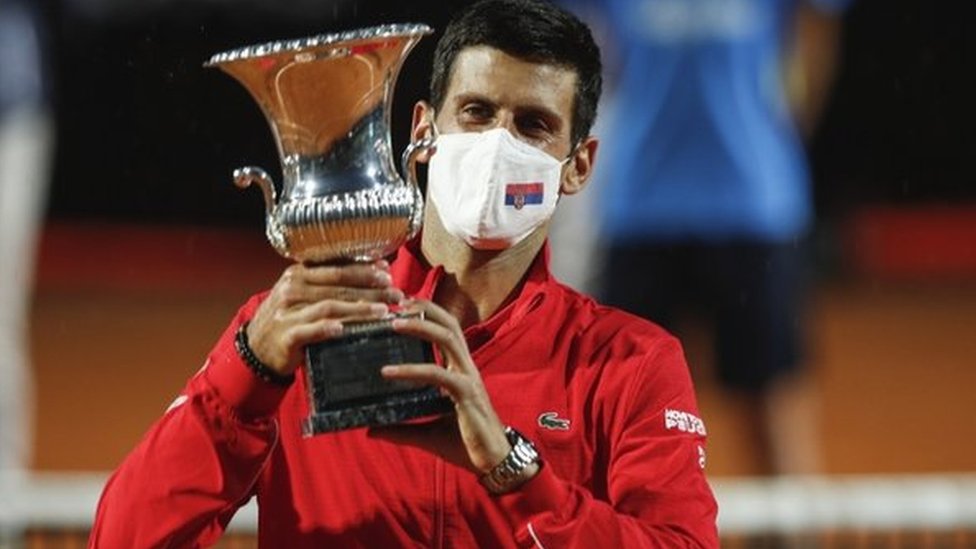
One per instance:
(512, 472)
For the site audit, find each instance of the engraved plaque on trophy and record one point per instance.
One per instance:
(328, 99)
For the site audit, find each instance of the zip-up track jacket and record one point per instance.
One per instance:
(605, 396)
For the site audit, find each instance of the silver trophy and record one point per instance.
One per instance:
(328, 100)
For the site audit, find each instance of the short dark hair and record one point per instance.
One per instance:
(532, 30)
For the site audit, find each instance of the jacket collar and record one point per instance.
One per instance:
(417, 278)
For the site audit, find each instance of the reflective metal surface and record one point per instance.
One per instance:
(328, 100)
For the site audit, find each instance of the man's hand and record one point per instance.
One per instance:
(308, 305)
(477, 441)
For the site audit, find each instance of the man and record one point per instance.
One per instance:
(707, 193)
(605, 397)
(26, 145)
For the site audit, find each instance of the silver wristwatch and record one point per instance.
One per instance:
(511, 472)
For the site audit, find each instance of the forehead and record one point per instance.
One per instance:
(511, 81)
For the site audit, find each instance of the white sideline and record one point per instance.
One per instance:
(68, 501)
(746, 506)
(811, 504)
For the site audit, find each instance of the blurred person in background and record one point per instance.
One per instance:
(26, 142)
(705, 201)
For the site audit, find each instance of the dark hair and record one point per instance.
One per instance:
(532, 30)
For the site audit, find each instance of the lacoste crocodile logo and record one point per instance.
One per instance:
(552, 421)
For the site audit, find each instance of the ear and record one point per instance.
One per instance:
(421, 128)
(580, 168)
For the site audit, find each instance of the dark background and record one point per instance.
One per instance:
(146, 134)
(899, 128)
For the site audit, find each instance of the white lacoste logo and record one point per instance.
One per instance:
(684, 422)
(552, 421)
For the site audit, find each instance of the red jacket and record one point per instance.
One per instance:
(605, 396)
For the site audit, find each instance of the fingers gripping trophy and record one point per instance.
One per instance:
(328, 100)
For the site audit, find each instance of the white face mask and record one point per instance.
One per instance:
(491, 189)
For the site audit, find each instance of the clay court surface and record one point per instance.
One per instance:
(124, 315)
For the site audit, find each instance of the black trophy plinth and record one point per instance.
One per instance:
(346, 389)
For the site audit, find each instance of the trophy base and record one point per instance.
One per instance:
(346, 389)
(393, 409)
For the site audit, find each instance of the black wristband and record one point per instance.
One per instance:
(260, 369)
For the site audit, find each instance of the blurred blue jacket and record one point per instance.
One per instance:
(702, 142)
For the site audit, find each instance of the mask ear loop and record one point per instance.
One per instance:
(572, 154)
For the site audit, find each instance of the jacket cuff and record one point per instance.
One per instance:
(545, 492)
(249, 396)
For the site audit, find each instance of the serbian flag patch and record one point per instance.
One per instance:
(520, 194)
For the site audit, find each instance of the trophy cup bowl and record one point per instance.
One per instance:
(328, 99)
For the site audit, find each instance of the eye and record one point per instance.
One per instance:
(533, 126)
(476, 113)
(535, 129)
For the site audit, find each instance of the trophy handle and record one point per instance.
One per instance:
(408, 162)
(243, 178)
